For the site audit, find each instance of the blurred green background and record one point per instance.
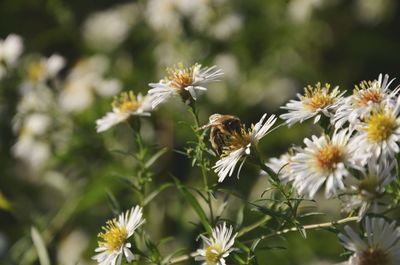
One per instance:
(269, 50)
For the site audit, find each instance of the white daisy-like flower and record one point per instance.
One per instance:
(124, 106)
(113, 243)
(238, 145)
(322, 161)
(10, 49)
(316, 101)
(282, 166)
(365, 194)
(382, 246)
(84, 81)
(183, 82)
(45, 68)
(378, 135)
(367, 97)
(217, 247)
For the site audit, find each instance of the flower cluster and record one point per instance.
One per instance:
(181, 82)
(184, 83)
(354, 158)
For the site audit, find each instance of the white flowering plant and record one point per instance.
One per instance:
(120, 154)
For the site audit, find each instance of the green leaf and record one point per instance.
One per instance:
(155, 157)
(121, 152)
(116, 208)
(154, 194)
(271, 212)
(240, 217)
(272, 248)
(302, 231)
(311, 214)
(40, 246)
(195, 205)
(173, 254)
(238, 259)
(242, 246)
(255, 244)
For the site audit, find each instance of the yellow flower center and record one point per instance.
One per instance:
(213, 254)
(126, 102)
(380, 126)
(374, 257)
(367, 92)
(318, 97)
(114, 236)
(369, 96)
(180, 76)
(36, 71)
(329, 156)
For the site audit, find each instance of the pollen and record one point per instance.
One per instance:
(368, 96)
(318, 97)
(126, 102)
(36, 71)
(380, 126)
(329, 156)
(114, 236)
(374, 257)
(213, 254)
(181, 77)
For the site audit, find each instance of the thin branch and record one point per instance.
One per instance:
(313, 226)
(284, 231)
(182, 258)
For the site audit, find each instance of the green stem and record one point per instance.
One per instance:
(277, 184)
(200, 140)
(251, 227)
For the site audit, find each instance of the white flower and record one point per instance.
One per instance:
(316, 101)
(30, 145)
(367, 97)
(365, 193)
(323, 160)
(113, 244)
(239, 145)
(106, 30)
(43, 69)
(10, 49)
(183, 82)
(218, 247)
(282, 166)
(37, 123)
(124, 106)
(382, 246)
(32, 151)
(163, 15)
(227, 26)
(379, 134)
(84, 81)
(76, 95)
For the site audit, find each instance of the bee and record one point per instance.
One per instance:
(221, 127)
